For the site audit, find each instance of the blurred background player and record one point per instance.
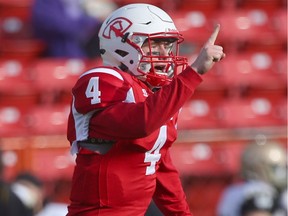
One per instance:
(57, 202)
(29, 190)
(24, 197)
(264, 171)
(259, 204)
(21, 197)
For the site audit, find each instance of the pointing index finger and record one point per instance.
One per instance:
(214, 35)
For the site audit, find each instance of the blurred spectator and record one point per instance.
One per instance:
(259, 204)
(29, 190)
(264, 171)
(23, 197)
(67, 26)
(10, 205)
(58, 202)
(7, 197)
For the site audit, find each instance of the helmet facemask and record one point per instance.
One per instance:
(158, 59)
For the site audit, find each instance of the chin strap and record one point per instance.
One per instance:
(157, 81)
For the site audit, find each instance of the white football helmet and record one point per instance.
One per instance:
(123, 33)
(266, 162)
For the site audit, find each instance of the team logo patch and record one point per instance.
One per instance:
(117, 27)
(145, 94)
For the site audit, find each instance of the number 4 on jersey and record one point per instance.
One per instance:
(153, 156)
(92, 90)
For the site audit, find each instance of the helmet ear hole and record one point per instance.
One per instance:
(102, 51)
(123, 67)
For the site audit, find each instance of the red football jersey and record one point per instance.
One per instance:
(112, 105)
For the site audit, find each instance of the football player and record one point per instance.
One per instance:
(264, 174)
(124, 115)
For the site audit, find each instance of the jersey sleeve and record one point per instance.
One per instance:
(169, 195)
(140, 119)
(95, 89)
(99, 88)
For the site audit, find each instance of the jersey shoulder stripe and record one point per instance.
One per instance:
(104, 70)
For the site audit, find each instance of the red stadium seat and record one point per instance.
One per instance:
(26, 49)
(256, 70)
(13, 121)
(14, 75)
(16, 7)
(17, 38)
(252, 28)
(280, 63)
(208, 6)
(12, 160)
(55, 73)
(207, 159)
(61, 162)
(282, 111)
(15, 27)
(263, 4)
(199, 114)
(195, 25)
(48, 157)
(280, 23)
(203, 193)
(48, 120)
(158, 3)
(16, 84)
(213, 81)
(53, 76)
(253, 112)
(15, 19)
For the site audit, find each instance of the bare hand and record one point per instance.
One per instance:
(209, 54)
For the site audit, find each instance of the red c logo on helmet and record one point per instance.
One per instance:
(117, 26)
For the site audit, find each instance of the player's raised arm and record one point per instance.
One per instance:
(214, 35)
(209, 54)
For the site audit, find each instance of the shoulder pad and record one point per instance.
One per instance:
(99, 88)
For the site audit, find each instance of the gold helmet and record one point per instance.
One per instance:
(266, 162)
